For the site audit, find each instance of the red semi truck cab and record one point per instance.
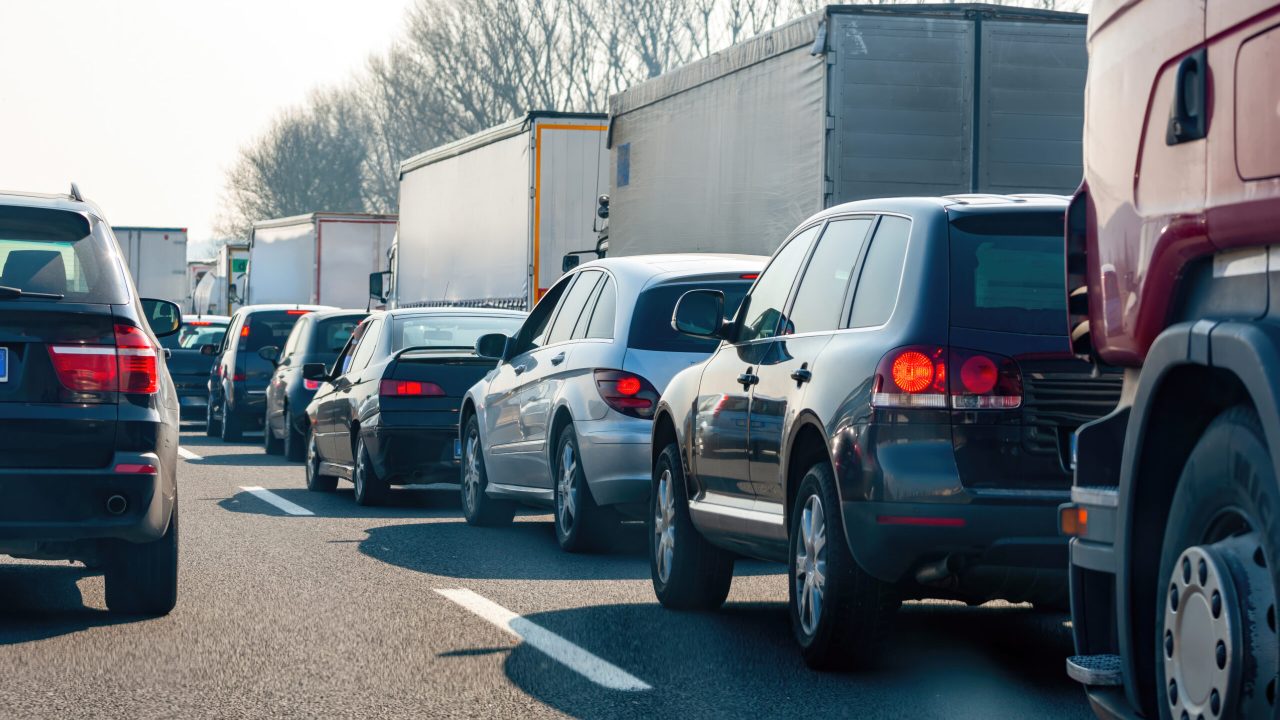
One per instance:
(1173, 245)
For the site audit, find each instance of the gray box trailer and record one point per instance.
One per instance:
(320, 258)
(731, 152)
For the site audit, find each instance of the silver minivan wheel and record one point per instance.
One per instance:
(471, 474)
(567, 490)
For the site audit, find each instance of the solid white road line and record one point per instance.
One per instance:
(274, 499)
(187, 454)
(593, 668)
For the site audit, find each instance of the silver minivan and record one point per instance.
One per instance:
(565, 418)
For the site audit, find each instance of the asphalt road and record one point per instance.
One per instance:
(339, 614)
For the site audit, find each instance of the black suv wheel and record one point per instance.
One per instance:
(840, 615)
(231, 424)
(688, 572)
(212, 426)
(295, 443)
(142, 578)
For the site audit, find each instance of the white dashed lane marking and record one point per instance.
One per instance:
(188, 455)
(593, 668)
(274, 499)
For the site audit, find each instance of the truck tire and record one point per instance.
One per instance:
(142, 578)
(271, 444)
(840, 615)
(231, 424)
(295, 443)
(212, 426)
(1216, 643)
(477, 507)
(316, 482)
(688, 572)
(581, 524)
(369, 488)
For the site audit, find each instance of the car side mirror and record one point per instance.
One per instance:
(377, 285)
(569, 262)
(315, 371)
(270, 353)
(164, 317)
(699, 313)
(492, 346)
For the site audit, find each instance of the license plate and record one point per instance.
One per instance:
(457, 448)
(4, 364)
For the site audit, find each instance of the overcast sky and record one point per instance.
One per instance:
(144, 102)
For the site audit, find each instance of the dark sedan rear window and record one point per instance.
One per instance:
(1008, 273)
(268, 327)
(651, 322)
(58, 253)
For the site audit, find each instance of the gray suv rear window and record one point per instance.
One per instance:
(651, 321)
(57, 252)
(1008, 273)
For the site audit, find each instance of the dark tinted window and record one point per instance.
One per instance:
(433, 330)
(57, 252)
(602, 316)
(1008, 273)
(193, 334)
(328, 336)
(651, 321)
(820, 299)
(571, 307)
(534, 330)
(763, 307)
(369, 342)
(269, 327)
(881, 274)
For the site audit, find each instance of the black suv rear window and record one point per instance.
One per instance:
(1008, 273)
(268, 327)
(651, 321)
(56, 252)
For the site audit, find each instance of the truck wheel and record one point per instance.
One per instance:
(231, 424)
(688, 572)
(315, 481)
(477, 507)
(212, 426)
(840, 615)
(271, 444)
(295, 443)
(581, 525)
(370, 489)
(1216, 639)
(142, 578)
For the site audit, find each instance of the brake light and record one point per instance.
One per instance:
(409, 388)
(136, 469)
(244, 331)
(311, 384)
(627, 393)
(296, 312)
(137, 360)
(128, 366)
(749, 276)
(919, 377)
(199, 323)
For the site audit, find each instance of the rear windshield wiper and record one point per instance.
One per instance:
(9, 293)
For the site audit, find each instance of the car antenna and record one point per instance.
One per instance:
(75, 193)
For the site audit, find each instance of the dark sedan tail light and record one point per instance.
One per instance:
(627, 393)
(409, 388)
(128, 366)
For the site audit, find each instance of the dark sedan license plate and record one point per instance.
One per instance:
(4, 364)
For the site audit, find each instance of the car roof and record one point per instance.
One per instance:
(327, 314)
(206, 318)
(50, 201)
(454, 310)
(950, 203)
(644, 267)
(250, 309)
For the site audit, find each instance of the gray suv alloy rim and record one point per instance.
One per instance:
(471, 474)
(811, 564)
(567, 497)
(664, 526)
(1206, 620)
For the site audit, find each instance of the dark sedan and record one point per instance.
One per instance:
(317, 338)
(189, 366)
(387, 411)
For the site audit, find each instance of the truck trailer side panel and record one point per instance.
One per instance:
(282, 264)
(157, 260)
(569, 175)
(349, 249)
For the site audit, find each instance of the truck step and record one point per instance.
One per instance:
(1095, 669)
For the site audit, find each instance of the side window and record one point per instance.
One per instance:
(534, 331)
(572, 305)
(291, 345)
(368, 342)
(820, 299)
(877, 292)
(343, 362)
(761, 310)
(233, 333)
(600, 325)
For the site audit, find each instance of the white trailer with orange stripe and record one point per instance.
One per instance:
(486, 221)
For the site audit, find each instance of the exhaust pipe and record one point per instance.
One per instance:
(117, 504)
(942, 572)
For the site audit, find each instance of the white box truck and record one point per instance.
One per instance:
(157, 260)
(731, 153)
(486, 221)
(219, 291)
(317, 259)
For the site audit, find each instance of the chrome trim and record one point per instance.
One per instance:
(1096, 495)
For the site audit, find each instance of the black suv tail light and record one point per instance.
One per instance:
(129, 366)
(935, 377)
(627, 393)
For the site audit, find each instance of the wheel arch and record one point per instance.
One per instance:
(806, 447)
(561, 418)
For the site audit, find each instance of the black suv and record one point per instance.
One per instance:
(238, 382)
(317, 338)
(890, 413)
(88, 412)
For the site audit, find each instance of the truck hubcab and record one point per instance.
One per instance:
(1219, 612)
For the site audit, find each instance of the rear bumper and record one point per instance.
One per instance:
(55, 506)
(616, 458)
(404, 453)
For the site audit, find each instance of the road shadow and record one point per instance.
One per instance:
(400, 503)
(43, 601)
(742, 661)
(524, 550)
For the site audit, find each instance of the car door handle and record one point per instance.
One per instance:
(557, 359)
(802, 375)
(747, 379)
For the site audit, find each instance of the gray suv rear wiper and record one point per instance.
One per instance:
(9, 293)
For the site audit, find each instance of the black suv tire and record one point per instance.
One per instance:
(142, 578)
(295, 443)
(369, 488)
(698, 574)
(316, 482)
(231, 424)
(855, 611)
(212, 426)
(477, 507)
